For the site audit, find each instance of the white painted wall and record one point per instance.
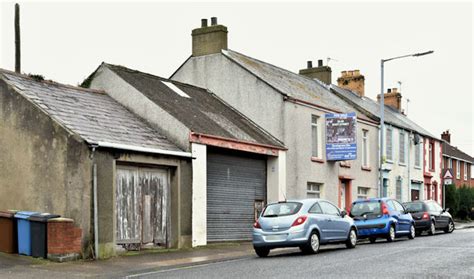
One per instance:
(276, 177)
(199, 195)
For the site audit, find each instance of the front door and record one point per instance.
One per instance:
(415, 195)
(345, 197)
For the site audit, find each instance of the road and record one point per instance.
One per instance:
(439, 256)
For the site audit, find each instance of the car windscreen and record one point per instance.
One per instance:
(366, 208)
(414, 207)
(282, 209)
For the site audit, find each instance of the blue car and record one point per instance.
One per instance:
(306, 224)
(382, 218)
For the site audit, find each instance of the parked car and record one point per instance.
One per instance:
(306, 224)
(382, 218)
(430, 216)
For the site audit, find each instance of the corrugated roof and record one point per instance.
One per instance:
(92, 115)
(391, 115)
(198, 109)
(453, 151)
(292, 84)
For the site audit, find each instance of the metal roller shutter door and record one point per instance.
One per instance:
(234, 183)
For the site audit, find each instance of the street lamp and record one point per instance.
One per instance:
(382, 110)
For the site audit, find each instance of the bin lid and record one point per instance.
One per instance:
(24, 214)
(42, 217)
(63, 220)
(6, 214)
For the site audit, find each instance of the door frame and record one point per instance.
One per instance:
(347, 191)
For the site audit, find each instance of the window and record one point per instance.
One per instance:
(402, 147)
(458, 169)
(365, 148)
(450, 163)
(398, 186)
(431, 156)
(329, 208)
(465, 171)
(362, 192)
(314, 136)
(418, 155)
(315, 209)
(398, 207)
(313, 190)
(282, 209)
(388, 143)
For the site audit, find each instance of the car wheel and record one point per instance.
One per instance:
(372, 239)
(412, 232)
(351, 241)
(450, 227)
(391, 234)
(432, 229)
(262, 252)
(312, 247)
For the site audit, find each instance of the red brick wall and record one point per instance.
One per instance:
(64, 238)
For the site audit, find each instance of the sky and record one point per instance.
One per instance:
(66, 41)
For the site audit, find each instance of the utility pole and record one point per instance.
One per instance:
(17, 39)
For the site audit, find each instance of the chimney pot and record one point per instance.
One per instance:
(389, 90)
(309, 64)
(213, 20)
(394, 90)
(344, 73)
(320, 63)
(356, 72)
(204, 22)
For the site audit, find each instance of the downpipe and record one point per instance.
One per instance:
(96, 210)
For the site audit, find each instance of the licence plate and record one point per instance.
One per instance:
(274, 237)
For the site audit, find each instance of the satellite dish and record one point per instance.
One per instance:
(416, 139)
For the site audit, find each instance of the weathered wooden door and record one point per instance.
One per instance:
(142, 205)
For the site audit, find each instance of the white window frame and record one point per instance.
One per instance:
(465, 171)
(458, 169)
(363, 195)
(311, 189)
(401, 148)
(365, 148)
(431, 158)
(418, 155)
(450, 163)
(389, 130)
(316, 142)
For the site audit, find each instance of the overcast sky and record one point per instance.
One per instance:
(65, 42)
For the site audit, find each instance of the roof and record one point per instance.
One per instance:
(198, 109)
(92, 115)
(391, 115)
(292, 84)
(452, 151)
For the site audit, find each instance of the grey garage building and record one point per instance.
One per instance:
(237, 166)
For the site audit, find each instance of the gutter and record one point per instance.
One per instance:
(143, 149)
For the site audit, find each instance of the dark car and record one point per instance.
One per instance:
(430, 216)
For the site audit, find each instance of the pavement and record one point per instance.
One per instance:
(238, 260)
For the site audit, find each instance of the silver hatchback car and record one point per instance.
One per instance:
(305, 223)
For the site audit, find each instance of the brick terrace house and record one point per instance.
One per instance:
(458, 163)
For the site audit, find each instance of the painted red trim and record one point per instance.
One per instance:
(432, 155)
(234, 144)
(366, 168)
(347, 191)
(424, 154)
(317, 160)
(347, 177)
(296, 100)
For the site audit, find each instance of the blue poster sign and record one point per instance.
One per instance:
(341, 140)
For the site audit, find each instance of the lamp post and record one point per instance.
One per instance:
(382, 111)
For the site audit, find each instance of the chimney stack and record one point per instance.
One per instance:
(322, 73)
(209, 39)
(392, 98)
(352, 80)
(446, 136)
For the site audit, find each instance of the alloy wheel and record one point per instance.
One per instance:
(412, 232)
(353, 237)
(450, 226)
(314, 242)
(432, 229)
(391, 234)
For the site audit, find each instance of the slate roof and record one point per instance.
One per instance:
(90, 114)
(292, 84)
(391, 115)
(203, 112)
(452, 151)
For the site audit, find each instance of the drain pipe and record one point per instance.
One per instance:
(96, 211)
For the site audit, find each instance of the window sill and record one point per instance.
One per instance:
(388, 161)
(345, 165)
(417, 167)
(317, 160)
(402, 164)
(366, 168)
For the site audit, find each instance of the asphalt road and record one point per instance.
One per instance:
(439, 256)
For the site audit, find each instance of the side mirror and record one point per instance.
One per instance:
(343, 214)
(446, 209)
